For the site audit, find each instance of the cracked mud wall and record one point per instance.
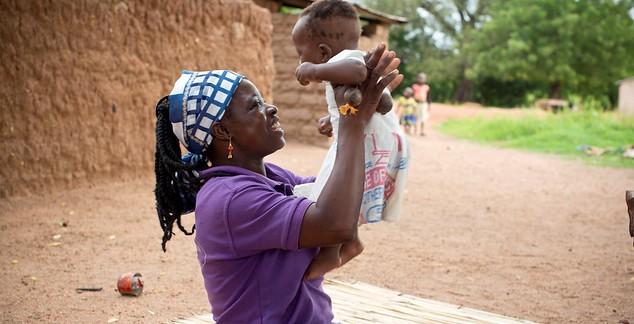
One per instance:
(80, 79)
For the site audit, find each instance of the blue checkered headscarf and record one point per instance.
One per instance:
(197, 100)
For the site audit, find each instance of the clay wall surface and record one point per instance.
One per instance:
(80, 79)
(300, 107)
(381, 34)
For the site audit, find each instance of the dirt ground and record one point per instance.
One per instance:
(522, 234)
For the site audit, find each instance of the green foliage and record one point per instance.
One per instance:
(290, 10)
(499, 93)
(516, 51)
(569, 47)
(432, 41)
(560, 134)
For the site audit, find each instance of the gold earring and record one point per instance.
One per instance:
(230, 150)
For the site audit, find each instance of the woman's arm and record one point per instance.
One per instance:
(333, 219)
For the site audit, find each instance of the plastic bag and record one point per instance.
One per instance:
(386, 165)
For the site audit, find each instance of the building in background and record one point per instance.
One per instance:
(626, 96)
(84, 76)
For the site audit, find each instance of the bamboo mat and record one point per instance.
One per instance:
(363, 303)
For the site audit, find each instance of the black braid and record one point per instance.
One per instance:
(167, 165)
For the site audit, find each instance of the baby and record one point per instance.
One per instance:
(326, 37)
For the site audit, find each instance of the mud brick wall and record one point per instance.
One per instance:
(300, 107)
(80, 79)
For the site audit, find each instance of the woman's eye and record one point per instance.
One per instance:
(258, 103)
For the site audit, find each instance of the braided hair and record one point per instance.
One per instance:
(177, 181)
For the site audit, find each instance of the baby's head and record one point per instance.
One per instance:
(408, 92)
(324, 29)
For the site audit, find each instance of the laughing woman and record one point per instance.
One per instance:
(255, 239)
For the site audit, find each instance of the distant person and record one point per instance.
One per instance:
(406, 108)
(422, 94)
(326, 37)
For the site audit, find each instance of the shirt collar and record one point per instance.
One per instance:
(272, 178)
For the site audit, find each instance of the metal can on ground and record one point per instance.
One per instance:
(130, 284)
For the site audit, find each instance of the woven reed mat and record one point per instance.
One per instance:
(363, 303)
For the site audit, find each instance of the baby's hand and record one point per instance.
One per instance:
(325, 127)
(305, 73)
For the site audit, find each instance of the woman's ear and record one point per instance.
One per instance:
(218, 131)
(325, 52)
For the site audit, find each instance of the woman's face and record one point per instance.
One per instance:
(253, 124)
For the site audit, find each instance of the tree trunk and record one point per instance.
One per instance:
(555, 90)
(464, 92)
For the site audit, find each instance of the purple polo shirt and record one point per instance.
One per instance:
(247, 236)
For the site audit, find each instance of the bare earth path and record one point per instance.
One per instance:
(521, 234)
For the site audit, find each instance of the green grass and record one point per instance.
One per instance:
(559, 134)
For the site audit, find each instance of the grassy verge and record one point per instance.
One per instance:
(560, 134)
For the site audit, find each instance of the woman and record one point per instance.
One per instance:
(255, 239)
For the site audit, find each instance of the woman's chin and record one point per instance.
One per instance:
(282, 142)
(275, 145)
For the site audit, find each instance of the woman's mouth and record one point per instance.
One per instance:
(277, 127)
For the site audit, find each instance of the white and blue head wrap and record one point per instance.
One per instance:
(197, 100)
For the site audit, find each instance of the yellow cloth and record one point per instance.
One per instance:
(407, 106)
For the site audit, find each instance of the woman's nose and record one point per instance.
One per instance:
(271, 110)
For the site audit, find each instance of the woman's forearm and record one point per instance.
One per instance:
(333, 218)
(340, 200)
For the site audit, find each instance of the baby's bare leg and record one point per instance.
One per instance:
(332, 257)
(327, 259)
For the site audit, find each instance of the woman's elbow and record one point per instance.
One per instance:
(343, 235)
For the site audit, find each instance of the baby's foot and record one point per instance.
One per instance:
(322, 263)
(629, 199)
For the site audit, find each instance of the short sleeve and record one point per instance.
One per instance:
(259, 218)
(355, 55)
(302, 180)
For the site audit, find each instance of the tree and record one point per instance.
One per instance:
(458, 20)
(578, 46)
(414, 47)
(434, 40)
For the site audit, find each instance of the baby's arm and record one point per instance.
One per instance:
(343, 72)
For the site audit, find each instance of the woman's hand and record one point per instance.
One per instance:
(381, 73)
